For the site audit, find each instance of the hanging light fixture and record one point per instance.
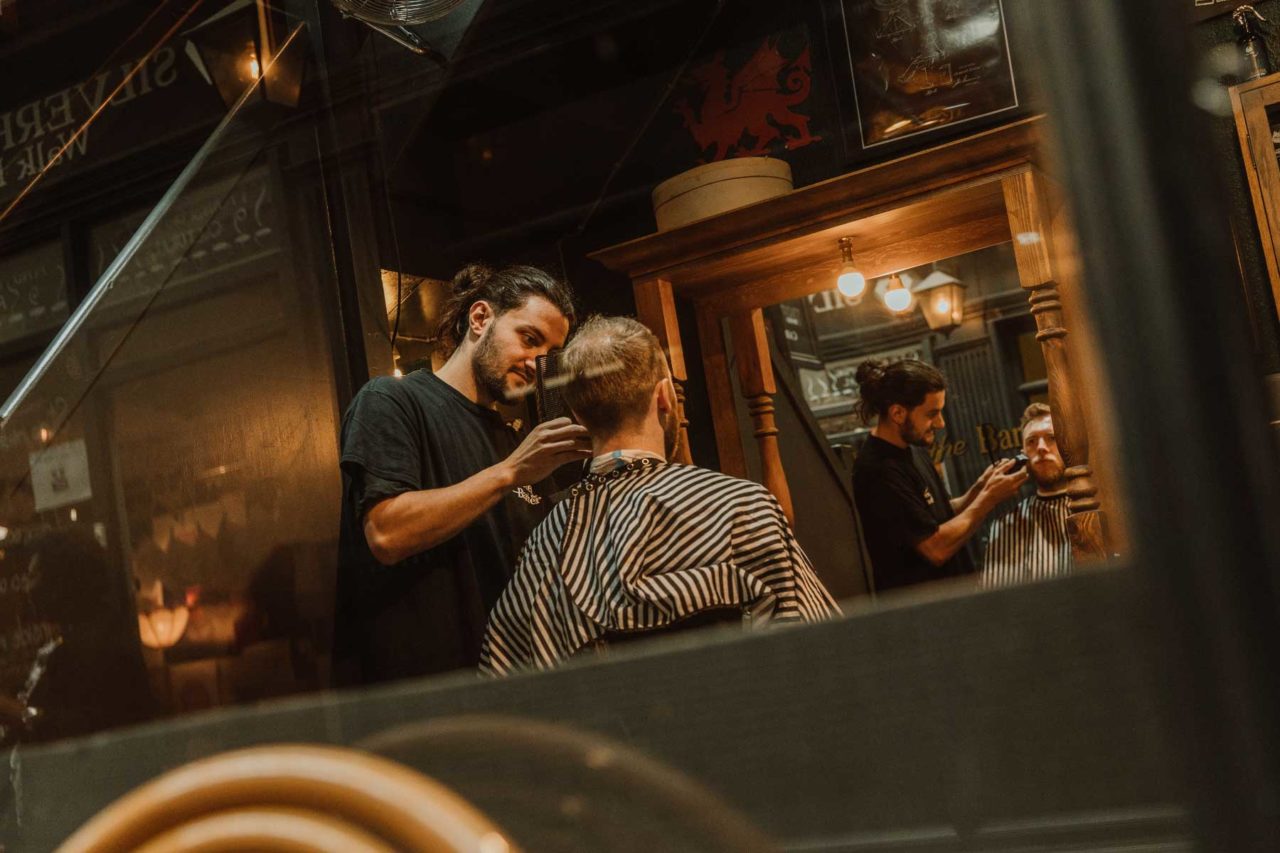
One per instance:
(897, 296)
(941, 300)
(244, 45)
(851, 283)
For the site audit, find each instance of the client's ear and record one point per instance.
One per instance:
(665, 395)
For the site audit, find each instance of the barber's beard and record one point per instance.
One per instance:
(919, 438)
(486, 367)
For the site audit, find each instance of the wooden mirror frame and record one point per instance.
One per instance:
(966, 195)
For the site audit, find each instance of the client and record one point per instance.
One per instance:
(643, 545)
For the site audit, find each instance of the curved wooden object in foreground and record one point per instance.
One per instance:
(287, 798)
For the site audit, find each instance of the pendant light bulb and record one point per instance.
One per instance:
(897, 298)
(851, 283)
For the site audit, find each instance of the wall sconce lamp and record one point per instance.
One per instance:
(897, 297)
(162, 627)
(850, 281)
(942, 301)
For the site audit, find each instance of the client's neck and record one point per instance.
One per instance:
(635, 437)
(1052, 490)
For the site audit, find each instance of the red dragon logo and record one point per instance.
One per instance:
(746, 114)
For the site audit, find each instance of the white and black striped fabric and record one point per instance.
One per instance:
(1028, 543)
(644, 546)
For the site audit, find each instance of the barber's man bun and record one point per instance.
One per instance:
(870, 373)
(882, 384)
(870, 379)
(470, 279)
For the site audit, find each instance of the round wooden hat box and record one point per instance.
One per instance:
(718, 187)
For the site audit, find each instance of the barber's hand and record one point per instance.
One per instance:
(971, 494)
(546, 448)
(1001, 485)
(991, 469)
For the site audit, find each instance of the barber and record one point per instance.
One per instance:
(915, 532)
(439, 493)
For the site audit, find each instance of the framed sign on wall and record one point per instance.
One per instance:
(1203, 10)
(919, 66)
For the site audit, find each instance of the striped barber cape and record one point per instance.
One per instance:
(1028, 543)
(641, 547)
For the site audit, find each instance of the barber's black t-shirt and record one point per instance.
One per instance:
(902, 502)
(426, 614)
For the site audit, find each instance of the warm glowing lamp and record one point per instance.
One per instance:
(942, 300)
(162, 627)
(243, 46)
(851, 283)
(897, 296)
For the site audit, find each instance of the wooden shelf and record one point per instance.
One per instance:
(900, 214)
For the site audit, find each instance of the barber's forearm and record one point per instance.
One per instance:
(413, 522)
(951, 536)
(960, 504)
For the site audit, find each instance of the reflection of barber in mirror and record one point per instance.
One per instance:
(643, 545)
(1030, 541)
(914, 531)
(439, 493)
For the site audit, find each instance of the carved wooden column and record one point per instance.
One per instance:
(755, 372)
(1027, 201)
(656, 308)
(716, 371)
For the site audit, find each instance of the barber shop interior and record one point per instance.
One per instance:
(690, 425)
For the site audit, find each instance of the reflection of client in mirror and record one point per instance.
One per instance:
(915, 532)
(642, 545)
(1030, 542)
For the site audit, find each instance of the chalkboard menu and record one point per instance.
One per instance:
(33, 291)
(22, 633)
(922, 65)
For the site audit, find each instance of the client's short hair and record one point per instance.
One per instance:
(1033, 413)
(613, 364)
